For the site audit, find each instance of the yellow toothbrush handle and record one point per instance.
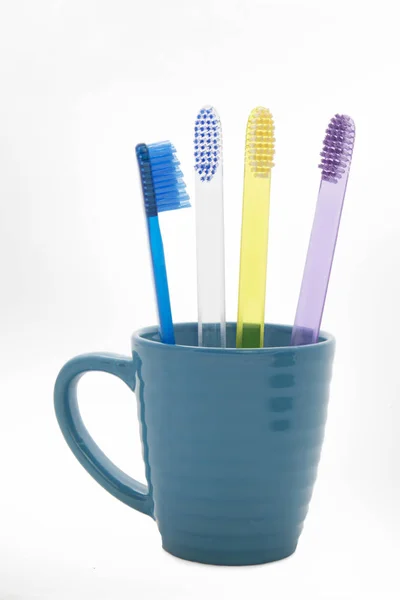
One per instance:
(253, 261)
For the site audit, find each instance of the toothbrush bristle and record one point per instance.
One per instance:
(260, 142)
(338, 148)
(142, 154)
(207, 143)
(169, 188)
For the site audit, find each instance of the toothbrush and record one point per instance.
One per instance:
(163, 189)
(259, 154)
(335, 164)
(209, 228)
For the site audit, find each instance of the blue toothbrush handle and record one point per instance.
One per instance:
(160, 281)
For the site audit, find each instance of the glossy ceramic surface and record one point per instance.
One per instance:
(231, 439)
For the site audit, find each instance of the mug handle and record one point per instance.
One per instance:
(96, 463)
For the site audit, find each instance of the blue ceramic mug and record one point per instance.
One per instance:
(231, 439)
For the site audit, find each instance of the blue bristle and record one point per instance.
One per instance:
(167, 178)
(207, 143)
(149, 197)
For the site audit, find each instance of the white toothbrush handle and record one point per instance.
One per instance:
(210, 261)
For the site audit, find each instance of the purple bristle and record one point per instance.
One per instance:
(338, 148)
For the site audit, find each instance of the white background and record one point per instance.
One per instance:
(81, 82)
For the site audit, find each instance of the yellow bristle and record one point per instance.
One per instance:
(260, 142)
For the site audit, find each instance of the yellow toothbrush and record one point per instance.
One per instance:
(259, 154)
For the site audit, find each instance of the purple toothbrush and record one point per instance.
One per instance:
(335, 165)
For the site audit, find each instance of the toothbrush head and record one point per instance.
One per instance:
(207, 143)
(260, 142)
(162, 179)
(169, 187)
(338, 148)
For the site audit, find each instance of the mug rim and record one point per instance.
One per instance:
(140, 337)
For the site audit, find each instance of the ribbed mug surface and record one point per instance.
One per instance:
(231, 441)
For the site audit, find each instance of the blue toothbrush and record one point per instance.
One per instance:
(163, 189)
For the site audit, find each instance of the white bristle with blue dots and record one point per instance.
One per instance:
(207, 143)
(209, 228)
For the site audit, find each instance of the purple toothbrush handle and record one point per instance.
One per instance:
(319, 260)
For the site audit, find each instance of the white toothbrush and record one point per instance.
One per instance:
(209, 229)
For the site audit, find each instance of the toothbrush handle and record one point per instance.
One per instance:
(253, 261)
(160, 281)
(210, 263)
(318, 265)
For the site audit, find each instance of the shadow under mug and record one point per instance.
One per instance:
(231, 439)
